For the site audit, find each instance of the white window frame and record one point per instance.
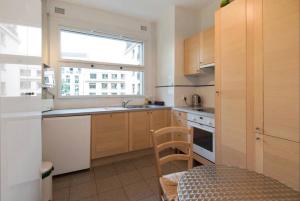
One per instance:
(98, 65)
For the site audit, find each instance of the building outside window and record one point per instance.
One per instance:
(104, 85)
(114, 85)
(25, 72)
(25, 84)
(133, 88)
(114, 76)
(93, 76)
(92, 85)
(104, 76)
(77, 79)
(68, 79)
(122, 85)
(76, 89)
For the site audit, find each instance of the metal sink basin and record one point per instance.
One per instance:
(137, 106)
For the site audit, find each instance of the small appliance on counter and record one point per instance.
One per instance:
(196, 100)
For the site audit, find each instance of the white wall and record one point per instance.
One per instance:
(86, 19)
(183, 23)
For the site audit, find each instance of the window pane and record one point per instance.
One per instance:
(78, 82)
(18, 79)
(20, 40)
(80, 46)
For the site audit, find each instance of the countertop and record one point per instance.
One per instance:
(192, 110)
(100, 110)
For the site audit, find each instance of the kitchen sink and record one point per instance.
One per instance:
(137, 106)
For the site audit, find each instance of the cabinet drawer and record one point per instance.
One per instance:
(180, 115)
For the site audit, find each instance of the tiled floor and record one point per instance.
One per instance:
(131, 180)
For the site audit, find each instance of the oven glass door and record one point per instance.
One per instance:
(204, 139)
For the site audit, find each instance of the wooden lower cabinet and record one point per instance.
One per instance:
(118, 133)
(179, 119)
(109, 134)
(281, 160)
(160, 119)
(139, 135)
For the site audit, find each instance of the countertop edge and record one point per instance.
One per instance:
(83, 112)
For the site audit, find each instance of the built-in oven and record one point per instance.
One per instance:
(204, 135)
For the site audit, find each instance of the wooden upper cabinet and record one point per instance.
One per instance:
(192, 55)
(207, 46)
(139, 136)
(281, 63)
(109, 134)
(231, 81)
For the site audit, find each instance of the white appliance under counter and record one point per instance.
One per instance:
(66, 142)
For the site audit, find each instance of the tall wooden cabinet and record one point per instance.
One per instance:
(281, 90)
(258, 87)
(231, 83)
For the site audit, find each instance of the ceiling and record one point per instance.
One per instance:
(147, 9)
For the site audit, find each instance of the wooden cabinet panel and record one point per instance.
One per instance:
(109, 134)
(192, 55)
(139, 137)
(179, 119)
(281, 32)
(281, 160)
(160, 119)
(207, 46)
(231, 81)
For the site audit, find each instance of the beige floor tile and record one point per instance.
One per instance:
(138, 191)
(108, 183)
(92, 198)
(82, 177)
(143, 162)
(62, 181)
(61, 194)
(82, 191)
(148, 172)
(151, 198)
(102, 172)
(130, 177)
(153, 183)
(124, 166)
(113, 195)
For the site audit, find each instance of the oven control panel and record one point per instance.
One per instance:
(207, 121)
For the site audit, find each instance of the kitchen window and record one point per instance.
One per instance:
(90, 58)
(86, 87)
(100, 48)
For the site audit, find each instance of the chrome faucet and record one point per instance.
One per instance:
(125, 103)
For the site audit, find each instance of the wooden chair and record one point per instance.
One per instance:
(168, 183)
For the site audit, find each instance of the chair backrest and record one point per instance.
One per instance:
(187, 145)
